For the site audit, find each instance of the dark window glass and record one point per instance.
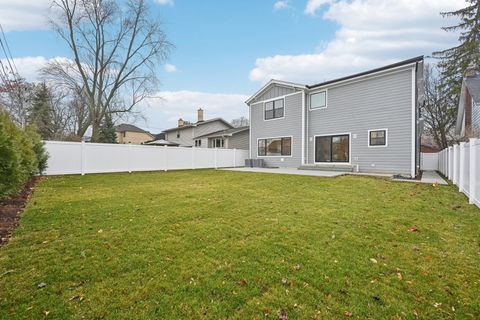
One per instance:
(274, 109)
(287, 146)
(332, 149)
(378, 138)
(262, 151)
(275, 147)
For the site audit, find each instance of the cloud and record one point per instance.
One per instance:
(164, 110)
(20, 15)
(165, 2)
(29, 67)
(371, 33)
(280, 4)
(170, 68)
(314, 5)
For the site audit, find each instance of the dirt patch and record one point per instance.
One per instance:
(11, 210)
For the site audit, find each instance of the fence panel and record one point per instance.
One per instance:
(82, 158)
(429, 161)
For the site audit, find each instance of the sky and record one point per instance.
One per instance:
(225, 50)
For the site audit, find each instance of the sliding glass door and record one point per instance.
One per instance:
(332, 148)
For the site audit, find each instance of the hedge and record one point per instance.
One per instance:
(22, 155)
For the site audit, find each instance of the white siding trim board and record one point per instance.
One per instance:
(414, 124)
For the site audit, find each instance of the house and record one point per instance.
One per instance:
(128, 133)
(235, 138)
(188, 134)
(428, 145)
(366, 122)
(162, 143)
(468, 114)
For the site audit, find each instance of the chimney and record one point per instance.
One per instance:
(180, 122)
(471, 70)
(200, 115)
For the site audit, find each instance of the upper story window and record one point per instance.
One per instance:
(274, 109)
(178, 134)
(377, 138)
(198, 143)
(318, 100)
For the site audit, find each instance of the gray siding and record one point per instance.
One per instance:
(476, 120)
(273, 92)
(290, 125)
(186, 137)
(209, 127)
(375, 103)
(239, 140)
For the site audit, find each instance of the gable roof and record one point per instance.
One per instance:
(226, 132)
(472, 84)
(356, 75)
(130, 128)
(278, 83)
(196, 124)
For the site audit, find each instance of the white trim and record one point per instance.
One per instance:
(329, 135)
(414, 124)
(273, 100)
(370, 75)
(310, 99)
(277, 82)
(303, 128)
(281, 156)
(386, 138)
(250, 131)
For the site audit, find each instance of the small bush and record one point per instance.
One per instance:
(21, 155)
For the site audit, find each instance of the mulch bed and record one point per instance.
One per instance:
(12, 208)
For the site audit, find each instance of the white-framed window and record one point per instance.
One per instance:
(178, 133)
(318, 100)
(378, 138)
(275, 147)
(198, 142)
(218, 143)
(274, 109)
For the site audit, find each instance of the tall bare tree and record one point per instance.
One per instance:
(439, 110)
(116, 50)
(240, 122)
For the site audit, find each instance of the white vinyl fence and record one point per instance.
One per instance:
(83, 158)
(429, 161)
(461, 164)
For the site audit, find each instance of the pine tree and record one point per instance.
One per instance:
(107, 132)
(40, 114)
(456, 60)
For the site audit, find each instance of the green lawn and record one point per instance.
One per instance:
(217, 244)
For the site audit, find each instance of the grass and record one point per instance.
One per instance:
(217, 244)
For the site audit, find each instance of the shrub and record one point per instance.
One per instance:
(21, 155)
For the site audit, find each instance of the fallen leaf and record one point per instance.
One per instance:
(413, 229)
(399, 276)
(46, 312)
(100, 231)
(283, 315)
(348, 313)
(41, 285)
(373, 260)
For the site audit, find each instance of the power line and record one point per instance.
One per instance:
(8, 49)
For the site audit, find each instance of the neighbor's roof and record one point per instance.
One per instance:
(196, 124)
(224, 133)
(161, 142)
(472, 84)
(129, 127)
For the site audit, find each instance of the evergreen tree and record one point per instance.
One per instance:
(456, 60)
(107, 132)
(40, 114)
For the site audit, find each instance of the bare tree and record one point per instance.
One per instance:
(116, 49)
(240, 122)
(439, 110)
(16, 98)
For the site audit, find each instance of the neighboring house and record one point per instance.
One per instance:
(367, 122)
(187, 134)
(161, 142)
(236, 138)
(468, 116)
(128, 133)
(428, 145)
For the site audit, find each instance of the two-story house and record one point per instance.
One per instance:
(366, 122)
(128, 133)
(188, 134)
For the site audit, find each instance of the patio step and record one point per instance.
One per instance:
(328, 167)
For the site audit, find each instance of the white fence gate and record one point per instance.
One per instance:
(429, 161)
(461, 164)
(83, 158)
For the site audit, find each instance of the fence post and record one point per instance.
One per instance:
(165, 149)
(193, 158)
(449, 169)
(455, 164)
(234, 157)
(82, 158)
(473, 171)
(216, 158)
(129, 158)
(461, 160)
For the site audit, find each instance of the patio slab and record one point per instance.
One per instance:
(428, 176)
(294, 171)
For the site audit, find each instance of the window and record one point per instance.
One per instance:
(218, 143)
(332, 148)
(274, 109)
(377, 138)
(318, 100)
(178, 134)
(198, 143)
(275, 147)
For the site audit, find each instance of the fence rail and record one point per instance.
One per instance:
(460, 163)
(83, 158)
